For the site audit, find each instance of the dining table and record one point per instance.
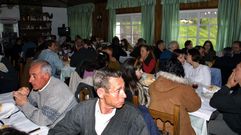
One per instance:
(18, 120)
(200, 117)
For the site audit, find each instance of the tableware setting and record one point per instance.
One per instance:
(208, 92)
(147, 79)
(6, 110)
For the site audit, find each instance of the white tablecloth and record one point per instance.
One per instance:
(200, 117)
(19, 121)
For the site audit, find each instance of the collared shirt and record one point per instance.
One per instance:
(45, 85)
(101, 120)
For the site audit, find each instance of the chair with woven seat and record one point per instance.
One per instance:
(84, 92)
(135, 100)
(173, 119)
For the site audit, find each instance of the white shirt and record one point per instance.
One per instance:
(200, 75)
(101, 120)
(187, 68)
(45, 85)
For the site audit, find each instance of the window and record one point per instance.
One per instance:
(8, 28)
(198, 26)
(128, 26)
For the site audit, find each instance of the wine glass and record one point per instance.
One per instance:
(194, 85)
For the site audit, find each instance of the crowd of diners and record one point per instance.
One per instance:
(31, 71)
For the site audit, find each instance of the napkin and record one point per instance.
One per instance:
(6, 109)
(3, 68)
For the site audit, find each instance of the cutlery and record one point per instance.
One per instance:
(12, 114)
(34, 130)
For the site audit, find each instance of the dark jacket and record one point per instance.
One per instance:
(81, 120)
(8, 80)
(118, 51)
(229, 104)
(88, 54)
(226, 65)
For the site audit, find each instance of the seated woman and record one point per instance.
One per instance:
(198, 74)
(113, 62)
(147, 59)
(131, 75)
(172, 89)
(85, 72)
(210, 53)
(180, 55)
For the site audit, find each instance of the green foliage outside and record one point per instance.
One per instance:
(189, 30)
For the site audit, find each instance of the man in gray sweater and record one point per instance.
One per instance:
(50, 98)
(107, 115)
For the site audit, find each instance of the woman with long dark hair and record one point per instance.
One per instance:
(147, 59)
(131, 75)
(210, 53)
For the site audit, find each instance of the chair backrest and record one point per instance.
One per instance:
(84, 92)
(135, 100)
(216, 77)
(173, 119)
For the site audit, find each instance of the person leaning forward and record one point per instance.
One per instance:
(227, 120)
(107, 115)
(50, 98)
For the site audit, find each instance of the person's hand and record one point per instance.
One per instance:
(231, 81)
(24, 91)
(141, 59)
(19, 98)
(113, 59)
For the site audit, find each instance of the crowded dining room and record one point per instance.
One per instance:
(120, 67)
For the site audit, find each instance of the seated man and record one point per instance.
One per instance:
(228, 103)
(50, 98)
(8, 75)
(106, 115)
(52, 57)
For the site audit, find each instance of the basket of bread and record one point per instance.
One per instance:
(209, 91)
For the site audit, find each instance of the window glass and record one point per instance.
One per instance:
(128, 26)
(198, 26)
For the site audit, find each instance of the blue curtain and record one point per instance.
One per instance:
(116, 4)
(80, 20)
(148, 23)
(170, 18)
(112, 24)
(229, 21)
(170, 21)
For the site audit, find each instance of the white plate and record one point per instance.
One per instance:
(209, 91)
(6, 110)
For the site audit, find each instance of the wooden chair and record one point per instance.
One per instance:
(135, 100)
(173, 119)
(84, 94)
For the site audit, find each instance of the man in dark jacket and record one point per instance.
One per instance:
(228, 104)
(107, 115)
(8, 75)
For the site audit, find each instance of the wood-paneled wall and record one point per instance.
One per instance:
(100, 27)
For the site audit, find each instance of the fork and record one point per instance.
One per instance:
(12, 114)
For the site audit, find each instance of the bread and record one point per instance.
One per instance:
(213, 88)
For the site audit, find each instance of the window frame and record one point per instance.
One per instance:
(198, 14)
(132, 19)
